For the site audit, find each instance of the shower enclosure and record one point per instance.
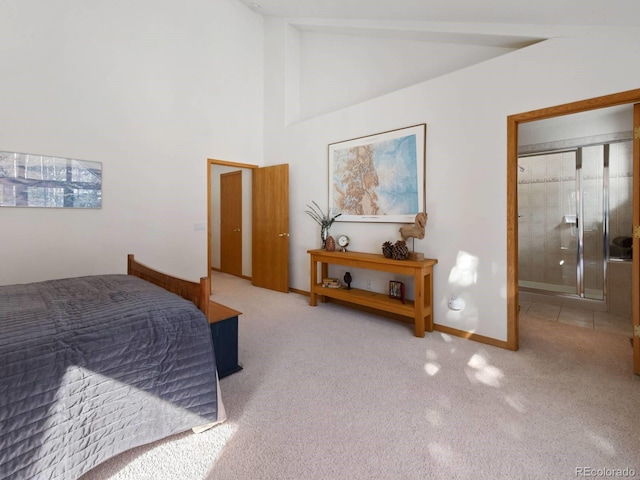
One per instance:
(575, 216)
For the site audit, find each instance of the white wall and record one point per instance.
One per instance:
(148, 88)
(466, 113)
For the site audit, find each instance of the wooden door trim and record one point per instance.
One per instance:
(227, 163)
(635, 270)
(210, 163)
(622, 98)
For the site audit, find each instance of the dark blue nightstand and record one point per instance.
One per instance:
(223, 323)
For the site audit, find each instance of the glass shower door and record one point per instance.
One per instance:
(593, 186)
(561, 222)
(548, 221)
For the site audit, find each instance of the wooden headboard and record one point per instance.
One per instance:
(198, 293)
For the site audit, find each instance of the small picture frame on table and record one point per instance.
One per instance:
(396, 290)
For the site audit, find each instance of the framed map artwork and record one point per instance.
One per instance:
(378, 178)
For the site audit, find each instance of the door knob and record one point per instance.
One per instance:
(283, 234)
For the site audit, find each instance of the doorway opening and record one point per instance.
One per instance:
(513, 170)
(265, 220)
(217, 170)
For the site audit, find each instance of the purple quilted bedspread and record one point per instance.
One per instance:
(93, 366)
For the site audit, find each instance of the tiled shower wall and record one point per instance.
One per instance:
(547, 193)
(621, 190)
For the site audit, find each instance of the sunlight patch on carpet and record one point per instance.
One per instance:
(177, 458)
(482, 372)
(602, 443)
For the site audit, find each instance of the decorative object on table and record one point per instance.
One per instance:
(396, 290)
(325, 221)
(343, 242)
(400, 250)
(369, 174)
(330, 244)
(397, 251)
(387, 249)
(330, 282)
(415, 231)
(347, 279)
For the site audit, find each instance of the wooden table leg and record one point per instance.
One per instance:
(419, 303)
(324, 273)
(313, 297)
(428, 299)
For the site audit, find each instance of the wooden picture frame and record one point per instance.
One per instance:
(380, 177)
(396, 290)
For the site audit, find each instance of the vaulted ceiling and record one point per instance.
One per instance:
(440, 36)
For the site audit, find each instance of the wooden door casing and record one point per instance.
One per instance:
(635, 268)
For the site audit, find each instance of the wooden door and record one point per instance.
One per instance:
(231, 223)
(270, 225)
(635, 269)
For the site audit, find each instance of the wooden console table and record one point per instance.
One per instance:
(420, 309)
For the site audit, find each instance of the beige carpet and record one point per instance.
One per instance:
(332, 393)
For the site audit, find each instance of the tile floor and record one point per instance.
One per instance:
(578, 317)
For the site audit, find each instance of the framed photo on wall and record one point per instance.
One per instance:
(379, 178)
(29, 180)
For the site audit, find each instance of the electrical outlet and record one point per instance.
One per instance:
(456, 303)
(369, 286)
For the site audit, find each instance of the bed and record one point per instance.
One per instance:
(93, 366)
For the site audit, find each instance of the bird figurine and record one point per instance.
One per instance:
(347, 279)
(414, 231)
(417, 229)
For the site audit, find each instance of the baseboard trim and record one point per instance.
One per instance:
(472, 336)
(214, 269)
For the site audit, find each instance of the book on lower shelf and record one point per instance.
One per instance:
(330, 283)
